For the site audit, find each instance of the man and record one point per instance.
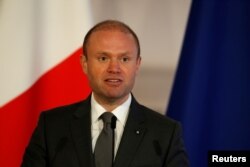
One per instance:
(78, 135)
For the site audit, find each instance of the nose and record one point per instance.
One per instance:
(114, 66)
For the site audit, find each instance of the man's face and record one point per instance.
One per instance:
(112, 64)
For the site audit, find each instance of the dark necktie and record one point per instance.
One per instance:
(104, 144)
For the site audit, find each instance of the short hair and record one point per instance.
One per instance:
(110, 25)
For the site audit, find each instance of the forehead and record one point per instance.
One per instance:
(107, 36)
(110, 34)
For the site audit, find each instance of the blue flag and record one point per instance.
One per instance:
(211, 92)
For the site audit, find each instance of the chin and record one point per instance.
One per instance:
(115, 96)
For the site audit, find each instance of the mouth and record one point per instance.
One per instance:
(113, 81)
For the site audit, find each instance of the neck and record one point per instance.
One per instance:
(108, 103)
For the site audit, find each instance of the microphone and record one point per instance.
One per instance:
(157, 147)
(113, 126)
(59, 147)
(113, 122)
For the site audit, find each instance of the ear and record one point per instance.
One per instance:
(84, 64)
(138, 64)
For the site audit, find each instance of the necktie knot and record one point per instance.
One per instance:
(107, 117)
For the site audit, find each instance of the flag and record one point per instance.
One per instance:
(211, 91)
(40, 49)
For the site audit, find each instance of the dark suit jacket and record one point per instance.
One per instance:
(63, 139)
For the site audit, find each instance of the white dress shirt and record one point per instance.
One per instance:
(121, 113)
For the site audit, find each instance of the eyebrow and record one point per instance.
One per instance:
(107, 53)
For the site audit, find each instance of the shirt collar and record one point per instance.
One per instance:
(121, 112)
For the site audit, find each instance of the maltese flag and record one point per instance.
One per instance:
(40, 49)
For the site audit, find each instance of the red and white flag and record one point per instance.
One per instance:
(40, 48)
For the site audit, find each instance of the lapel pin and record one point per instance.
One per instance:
(137, 132)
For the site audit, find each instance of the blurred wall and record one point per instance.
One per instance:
(160, 26)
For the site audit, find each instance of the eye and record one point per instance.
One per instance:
(102, 58)
(124, 59)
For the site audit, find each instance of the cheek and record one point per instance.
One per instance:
(131, 73)
(95, 73)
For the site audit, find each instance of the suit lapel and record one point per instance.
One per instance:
(81, 134)
(133, 134)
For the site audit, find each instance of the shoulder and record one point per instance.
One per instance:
(156, 118)
(62, 110)
(66, 112)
